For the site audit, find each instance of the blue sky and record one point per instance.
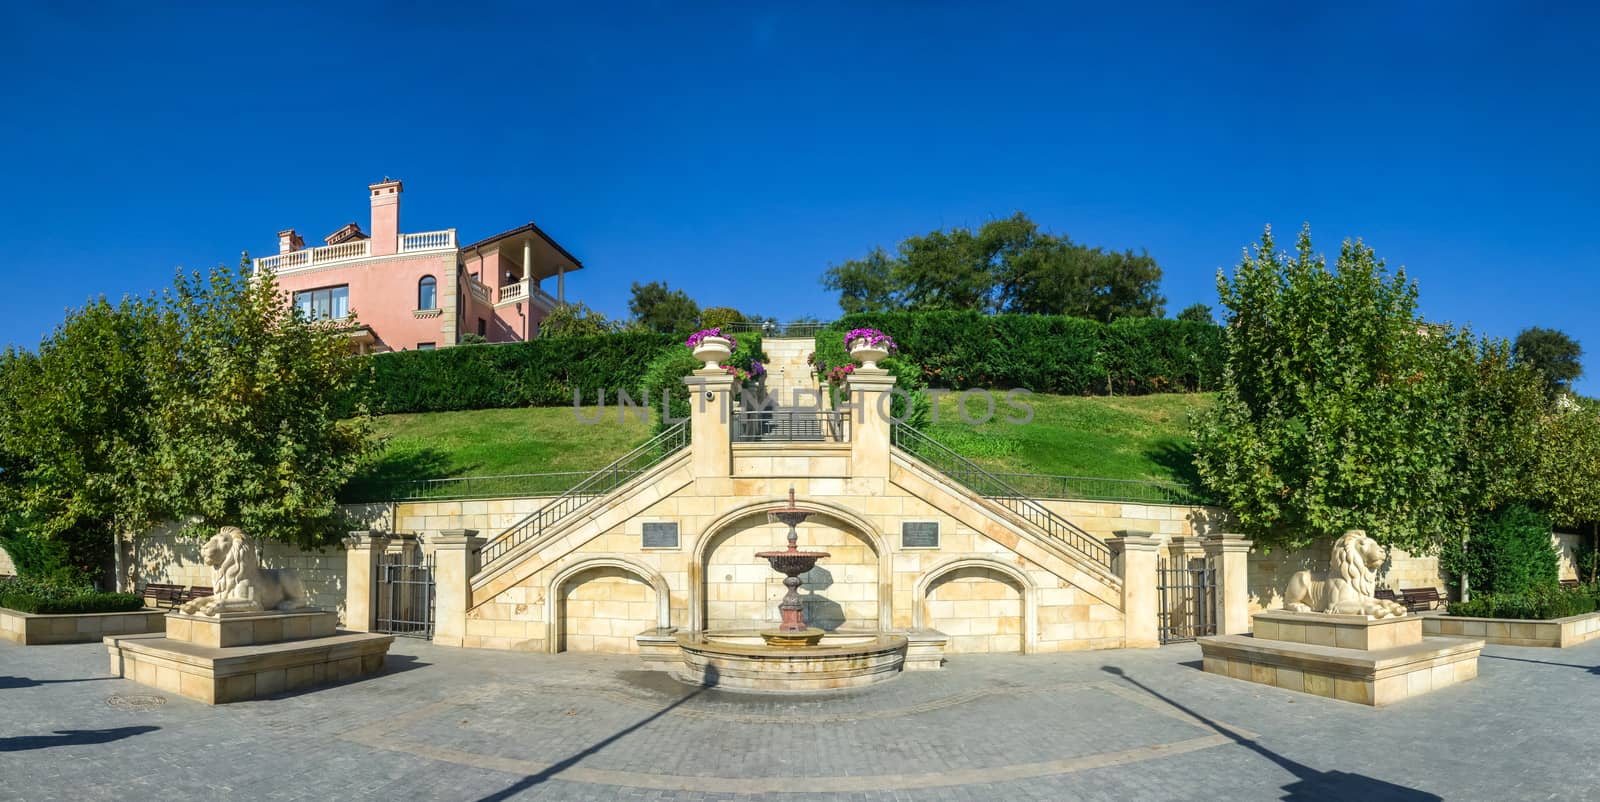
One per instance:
(736, 150)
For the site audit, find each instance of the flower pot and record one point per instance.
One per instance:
(867, 355)
(712, 350)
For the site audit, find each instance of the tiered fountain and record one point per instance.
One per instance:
(793, 657)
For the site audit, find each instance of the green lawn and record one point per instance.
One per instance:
(1137, 437)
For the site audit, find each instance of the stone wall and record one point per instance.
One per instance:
(603, 609)
(979, 608)
(1104, 519)
(7, 568)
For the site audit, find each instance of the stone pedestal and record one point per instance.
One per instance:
(658, 648)
(711, 422)
(1348, 657)
(455, 560)
(240, 656)
(1134, 555)
(1230, 557)
(362, 550)
(870, 424)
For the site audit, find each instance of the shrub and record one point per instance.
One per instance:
(714, 316)
(50, 596)
(1541, 603)
(540, 373)
(832, 355)
(663, 376)
(1509, 553)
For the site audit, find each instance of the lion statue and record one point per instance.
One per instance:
(238, 581)
(1348, 588)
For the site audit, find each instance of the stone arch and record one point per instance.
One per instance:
(555, 597)
(849, 521)
(1022, 582)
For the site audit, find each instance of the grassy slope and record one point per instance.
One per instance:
(1133, 437)
(1136, 437)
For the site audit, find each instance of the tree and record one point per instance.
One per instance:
(661, 309)
(574, 320)
(715, 316)
(251, 424)
(1007, 264)
(1336, 409)
(1557, 357)
(1566, 478)
(74, 441)
(1199, 313)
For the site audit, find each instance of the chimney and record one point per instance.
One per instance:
(288, 241)
(385, 217)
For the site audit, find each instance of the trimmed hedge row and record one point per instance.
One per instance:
(55, 597)
(1052, 353)
(1539, 604)
(538, 373)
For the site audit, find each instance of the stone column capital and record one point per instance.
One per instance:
(869, 380)
(1127, 540)
(711, 379)
(1227, 543)
(457, 539)
(366, 539)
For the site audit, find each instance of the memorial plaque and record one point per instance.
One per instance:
(660, 536)
(919, 535)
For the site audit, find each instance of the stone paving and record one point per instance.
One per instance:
(466, 724)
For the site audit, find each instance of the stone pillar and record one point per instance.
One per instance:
(1135, 555)
(1230, 556)
(870, 424)
(362, 549)
(711, 421)
(455, 560)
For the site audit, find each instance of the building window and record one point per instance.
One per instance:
(425, 346)
(483, 327)
(427, 293)
(919, 534)
(660, 536)
(326, 303)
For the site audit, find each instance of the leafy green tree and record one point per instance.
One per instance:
(1007, 264)
(1199, 313)
(715, 316)
(250, 423)
(74, 440)
(661, 309)
(1557, 357)
(1336, 409)
(865, 285)
(1566, 477)
(574, 320)
(1510, 551)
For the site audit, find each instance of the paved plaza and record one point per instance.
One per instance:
(467, 724)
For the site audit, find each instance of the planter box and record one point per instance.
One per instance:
(31, 629)
(1556, 633)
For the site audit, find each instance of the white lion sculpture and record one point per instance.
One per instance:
(238, 581)
(1348, 588)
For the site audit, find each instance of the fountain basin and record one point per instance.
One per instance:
(741, 660)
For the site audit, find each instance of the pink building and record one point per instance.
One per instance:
(422, 290)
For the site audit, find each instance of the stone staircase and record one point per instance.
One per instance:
(787, 371)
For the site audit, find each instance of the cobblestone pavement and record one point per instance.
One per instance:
(467, 724)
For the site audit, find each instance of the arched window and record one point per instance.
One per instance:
(427, 295)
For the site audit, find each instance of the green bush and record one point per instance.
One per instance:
(715, 316)
(1541, 603)
(1509, 552)
(663, 376)
(1050, 353)
(539, 373)
(51, 596)
(908, 376)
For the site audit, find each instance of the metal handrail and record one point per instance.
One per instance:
(600, 483)
(1095, 488)
(799, 328)
(507, 485)
(991, 487)
(791, 424)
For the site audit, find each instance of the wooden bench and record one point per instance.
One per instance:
(1385, 594)
(1421, 598)
(1571, 584)
(173, 595)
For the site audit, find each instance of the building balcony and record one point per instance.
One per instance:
(526, 291)
(309, 258)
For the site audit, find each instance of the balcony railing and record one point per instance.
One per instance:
(513, 292)
(479, 290)
(791, 425)
(525, 290)
(356, 249)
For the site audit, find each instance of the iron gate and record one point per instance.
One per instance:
(1188, 594)
(405, 594)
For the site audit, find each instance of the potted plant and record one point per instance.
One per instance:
(867, 346)
(711, 347)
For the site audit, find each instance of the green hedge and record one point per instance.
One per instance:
(1051, 353)
(664, 375)
(54, 597)
(538, 373)
(1541, 603)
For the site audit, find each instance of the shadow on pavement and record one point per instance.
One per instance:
(1591, 669)
(7, 682)
(71, 738)
(1311, 784)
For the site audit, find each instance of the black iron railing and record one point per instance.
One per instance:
(599, 483)
(511, 485)
(798, 328)
(991, 487)
(1090, 488)
(791, 425)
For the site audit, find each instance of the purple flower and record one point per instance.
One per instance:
(757, 369)
(873, 337)
(695, 338)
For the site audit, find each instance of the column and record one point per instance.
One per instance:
(1229, 554)
(455, 560)
(362, 549)
(1134, 556)
(711, 421)
(870, 424)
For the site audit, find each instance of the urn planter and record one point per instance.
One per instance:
(867, 355)
(713, 350)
